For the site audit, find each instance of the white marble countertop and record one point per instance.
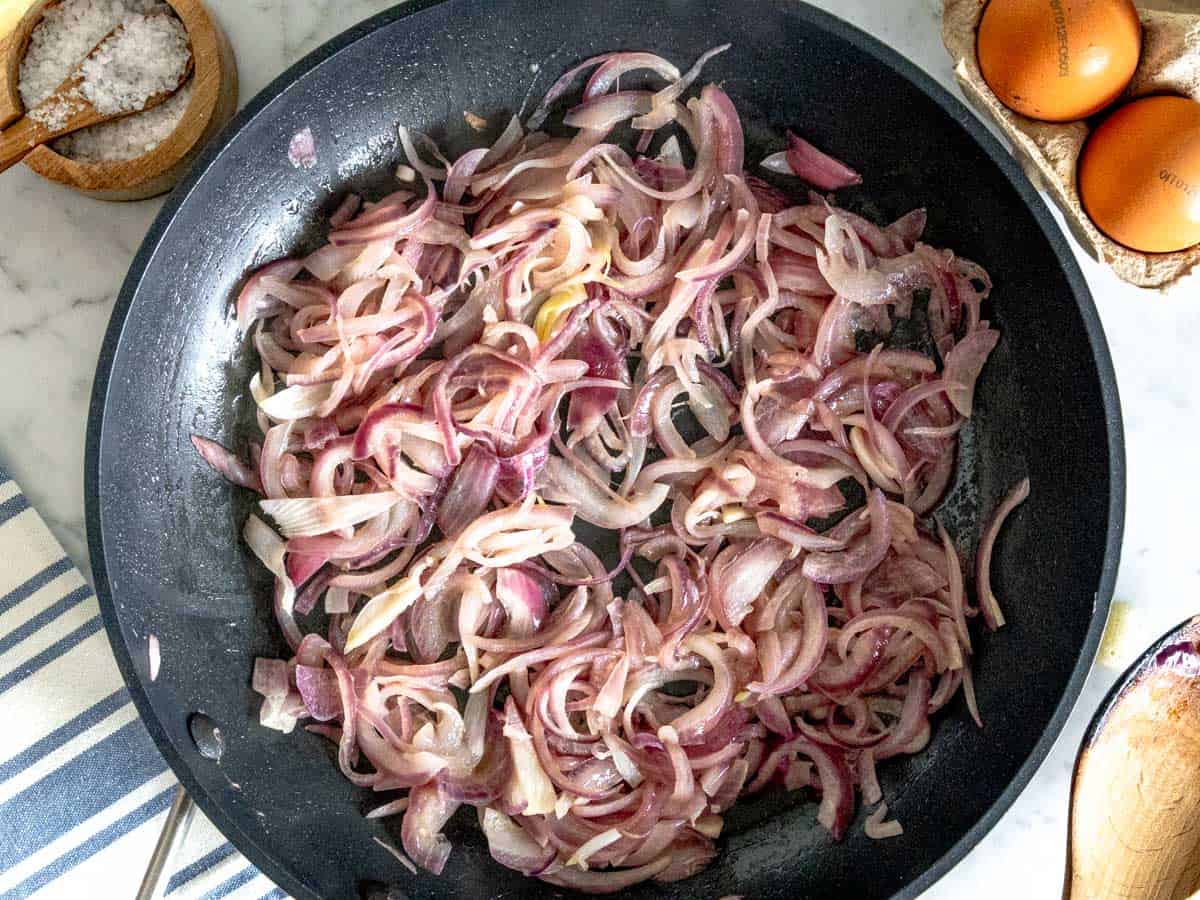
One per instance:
(63, 256)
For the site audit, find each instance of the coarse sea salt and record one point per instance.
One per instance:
(67, 34)
(302, 149)
(129, 137)
(148, 55)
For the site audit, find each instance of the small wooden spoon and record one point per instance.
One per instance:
(27, 133)
(1134, 830)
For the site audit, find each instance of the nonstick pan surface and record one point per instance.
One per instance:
(164, 529)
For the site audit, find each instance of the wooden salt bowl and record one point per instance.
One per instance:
(211, 105)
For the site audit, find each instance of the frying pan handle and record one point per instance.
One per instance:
(175, 829)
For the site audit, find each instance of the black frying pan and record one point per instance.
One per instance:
(164, 528)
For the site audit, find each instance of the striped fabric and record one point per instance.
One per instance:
(83, 791)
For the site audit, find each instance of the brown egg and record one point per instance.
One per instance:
(1058, 60)
(1139, 174)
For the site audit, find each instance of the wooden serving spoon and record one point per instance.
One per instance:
(19, 139)
(1134, 830)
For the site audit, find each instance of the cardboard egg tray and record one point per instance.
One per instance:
(1049, 151)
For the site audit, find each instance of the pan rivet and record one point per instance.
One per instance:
(207, 736)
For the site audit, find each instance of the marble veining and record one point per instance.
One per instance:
(63, 257)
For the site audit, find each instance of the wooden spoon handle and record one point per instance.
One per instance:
(19, 140)
(1135, 811)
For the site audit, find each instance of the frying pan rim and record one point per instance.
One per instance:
(262, 858)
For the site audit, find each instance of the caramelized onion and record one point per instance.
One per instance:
(416, 376)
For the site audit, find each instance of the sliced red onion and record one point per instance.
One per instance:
(912, 729)
(692, 725)
(270, 677)
(255, 300)
(689, 854)
(614, 65)
(837, 786)
(421, 833)
(511, 846)
(381, 610)
(345, 211)
(431, 627)
(319, 689)
(844, 265)
(869, 778)
(840, 566)
(863, 659)
(392, 808)
(877, 829)
(805, 161)
(731, 785)
(416, 372)
(611, 695)
(988, 605)
(792, 532)
(963, 365)
(811, 648)
(281, 713)
(532, 786)
(770, 712)
(153, 656)
(302, 151)
(337, 601)
(319, 515)
(524, 598)
(485, 784)
(399, 856)
(957, 598)
(663, 101)
(739, 576)
(904, 576)
(906, 620)
(470, 490)
(592, 846)
(593, 503)
(607, 882)
(270, 551)
(777, 163)
(227, 464)
(565, 625)
(909, 227)
(603, 112)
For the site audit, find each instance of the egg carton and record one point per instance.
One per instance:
(1049, 151)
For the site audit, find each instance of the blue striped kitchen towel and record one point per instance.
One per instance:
(83, 790)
